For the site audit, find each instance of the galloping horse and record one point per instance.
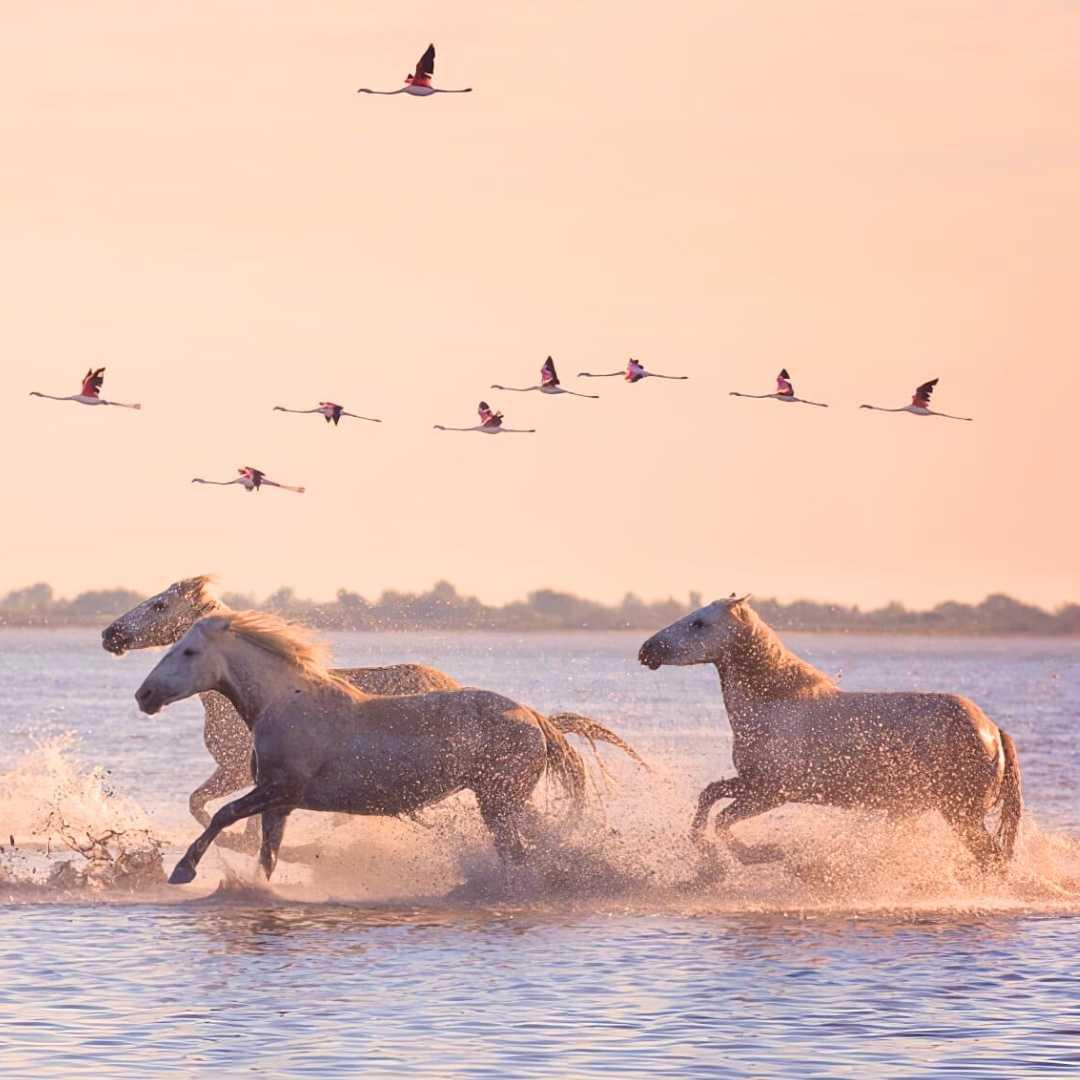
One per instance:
(322, 744)
(798, 738)
(166, 617)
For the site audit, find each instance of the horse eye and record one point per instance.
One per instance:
(698, 624)
(190, 652)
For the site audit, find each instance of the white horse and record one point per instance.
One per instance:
(798, 738)
(166, 617)
(321, 744)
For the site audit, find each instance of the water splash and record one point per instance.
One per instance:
(68, 830)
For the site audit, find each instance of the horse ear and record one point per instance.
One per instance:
(735, 601)
(213, 624)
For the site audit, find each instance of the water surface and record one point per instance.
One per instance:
(392, 949)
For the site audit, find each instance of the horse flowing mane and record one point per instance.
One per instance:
(762, 665)
(201, 591)
(288, 641)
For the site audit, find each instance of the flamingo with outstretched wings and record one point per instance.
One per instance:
(418, 84)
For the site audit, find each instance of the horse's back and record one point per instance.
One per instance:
(398, 679)
(881, 749)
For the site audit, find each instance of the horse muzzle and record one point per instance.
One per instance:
(113, 640)
(150, 700)
(653, 654)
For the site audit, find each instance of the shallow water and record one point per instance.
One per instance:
(391, 948)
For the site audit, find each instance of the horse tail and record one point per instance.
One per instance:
(564, 763)
(1010, 798)
(575, 724)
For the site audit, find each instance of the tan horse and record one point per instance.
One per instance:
(798, 738)
(165, 618)
(321, 744)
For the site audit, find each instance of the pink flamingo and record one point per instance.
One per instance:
(490, 424)
(251, 480)
(419, 83)
(784, 392)
(920, 404)
(549, 384)
(90, 394)
(330, 412)
(635, 372)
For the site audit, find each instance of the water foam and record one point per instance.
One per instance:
(67, 831)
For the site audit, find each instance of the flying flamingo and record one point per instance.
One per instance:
(330, 412)
(490, 424)
(419, 83)
(251, 480)
(549, 384)
(90, 394)
(920, 404)
(784, 392)
(635, 372)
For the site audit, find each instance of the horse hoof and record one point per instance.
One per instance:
(183, 873)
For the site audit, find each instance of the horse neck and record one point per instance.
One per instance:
(188, 619)
(253, 681)
(756, 669)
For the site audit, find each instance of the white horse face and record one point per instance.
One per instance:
(698, 638)
(159, 621)
(194, 664)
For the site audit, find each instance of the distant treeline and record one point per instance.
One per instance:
(443, 608)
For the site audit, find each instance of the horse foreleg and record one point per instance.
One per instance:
(223, 781)
(748, 803)
(273, 829)
(731, 788)
(254, 802)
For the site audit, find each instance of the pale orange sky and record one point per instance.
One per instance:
(869, 194)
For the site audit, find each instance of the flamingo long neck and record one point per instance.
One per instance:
(757, 670)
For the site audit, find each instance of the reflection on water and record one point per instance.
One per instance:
(389, 949)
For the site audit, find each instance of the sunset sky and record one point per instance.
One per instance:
(868, 194)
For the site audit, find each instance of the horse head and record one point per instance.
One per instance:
(161, 620)
(193, 665)
(698, 638)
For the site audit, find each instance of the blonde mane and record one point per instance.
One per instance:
(762, 664)
(291, 642)
(201, 591)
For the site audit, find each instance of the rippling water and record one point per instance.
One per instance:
(391, 948)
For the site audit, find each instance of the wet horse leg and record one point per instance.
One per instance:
(273, 829)
(262, 799)
(223, 781)
(748, 803)
(228, 740)
(731, 788)
(969, 825)
(501, 812)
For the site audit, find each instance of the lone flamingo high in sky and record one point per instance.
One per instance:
(419, 83)
(920, 404)
(784, 392)
(251, 480)
(329, 411)
(490, 424)
(635, 372)
(549, 384)
(90, 394)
